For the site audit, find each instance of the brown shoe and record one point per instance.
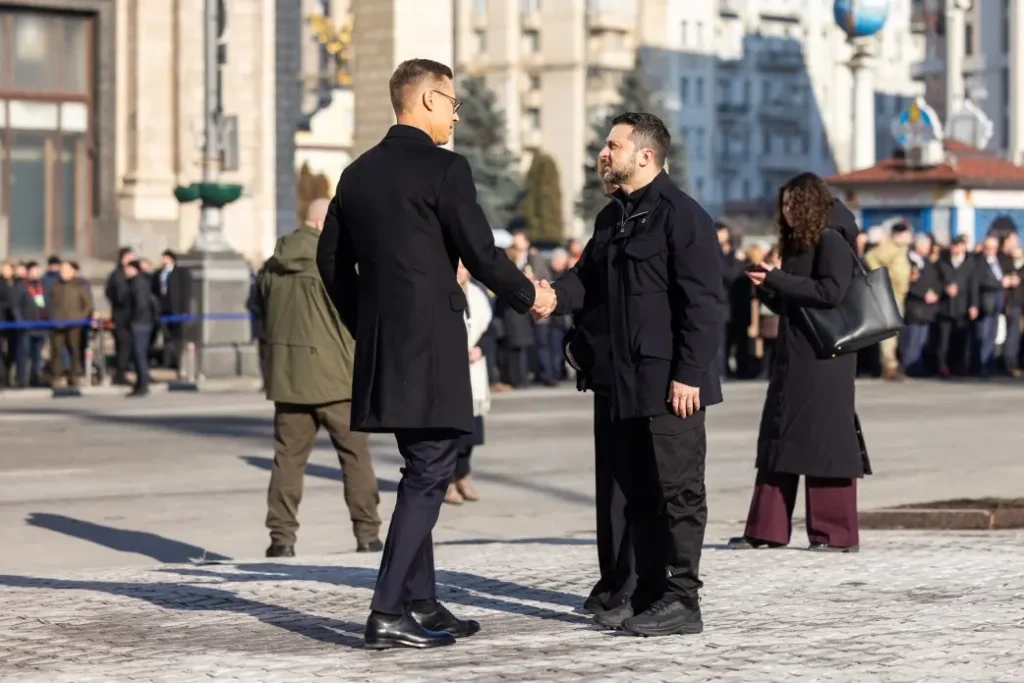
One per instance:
(465, 487)
(452, 496)
(500, 388)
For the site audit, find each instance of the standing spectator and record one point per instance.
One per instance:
(956, 270)
(256, 330)
(31, 295)
(309, 379)
(518, 339)
(8, 338)
(732, 272)
(808, 426)
(172, 288)
(987, 298)
(69, 301)
(532, 264)
(921, 308)
(892, 254)
(575, 250)
(767, 322)
(118, 295)
(1012, 263)
(478, 320)
(142, 316)
(559, 263)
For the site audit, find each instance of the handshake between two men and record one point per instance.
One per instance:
(545, 302)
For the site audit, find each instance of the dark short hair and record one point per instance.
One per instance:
(899, 228)
(74, 264)
(53, 261)
(648, 131)
(410, 73)
(29, 265)
(122, 252)
(171, 255)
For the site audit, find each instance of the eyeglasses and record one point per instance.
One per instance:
(456, 104)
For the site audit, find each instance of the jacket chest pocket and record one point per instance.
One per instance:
(646, 265)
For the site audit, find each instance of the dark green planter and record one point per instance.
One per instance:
(212, 194)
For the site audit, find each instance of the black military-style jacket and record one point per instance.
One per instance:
(653, 270)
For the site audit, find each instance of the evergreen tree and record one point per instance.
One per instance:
(542, 202)
(480, 137)
(635, 97)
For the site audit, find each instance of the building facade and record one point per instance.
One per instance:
(762, 89)
(102, 110)
(555, 67)
(988, 37)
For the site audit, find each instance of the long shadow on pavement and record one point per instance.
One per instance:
(187, 597)
(461, 588)
(145, 543)
(314, 470)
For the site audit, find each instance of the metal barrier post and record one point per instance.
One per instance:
(101, 341)
(88, 365)
(190, 362)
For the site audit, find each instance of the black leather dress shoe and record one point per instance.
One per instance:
(440, 619)
(748, 543)
(276, 550)
(384, 632)
(370, 547)
(826, 548)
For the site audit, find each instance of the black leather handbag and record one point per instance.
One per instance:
(867, 314)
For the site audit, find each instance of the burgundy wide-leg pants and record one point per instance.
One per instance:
(831, 509)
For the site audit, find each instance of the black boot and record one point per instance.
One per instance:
(672, 615)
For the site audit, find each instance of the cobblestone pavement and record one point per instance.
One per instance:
(909, 607)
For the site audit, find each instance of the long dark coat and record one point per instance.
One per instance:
(404, 213)
(808, 425)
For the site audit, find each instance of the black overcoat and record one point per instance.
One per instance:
(403, 215)
(808, 425)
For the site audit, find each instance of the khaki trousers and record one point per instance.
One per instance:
(888, 349)
(295, 430)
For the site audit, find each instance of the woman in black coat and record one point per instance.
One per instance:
(808, 426)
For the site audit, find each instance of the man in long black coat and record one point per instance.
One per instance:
(404, 213)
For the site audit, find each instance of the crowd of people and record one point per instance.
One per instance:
(54, 310)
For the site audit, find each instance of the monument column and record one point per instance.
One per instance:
(387, 32)
(863, 138)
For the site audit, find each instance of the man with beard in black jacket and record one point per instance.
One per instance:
(921, 307)
(656, 265)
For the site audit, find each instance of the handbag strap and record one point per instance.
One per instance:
(856, 259)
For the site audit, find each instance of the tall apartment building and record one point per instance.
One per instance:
(553, 65)
(761, 89)
(990, 36)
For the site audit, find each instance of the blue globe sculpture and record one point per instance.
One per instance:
(861, 18)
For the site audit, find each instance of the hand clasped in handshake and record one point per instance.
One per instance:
(545, 302)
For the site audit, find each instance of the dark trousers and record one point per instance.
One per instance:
(659, 463)
(489, 346)
(462, 468)
(1011, 347)
(295, 430)
(141, 336)
(30, 357)
(542, 352)
(913, 343)
(122, 350)
(517, 366)
(614, 543)
(954, 348)
(986, 330)
(174, 345)
(407, 567)
(66, 354)
(831, 509)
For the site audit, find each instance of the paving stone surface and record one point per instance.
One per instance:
(909, 607)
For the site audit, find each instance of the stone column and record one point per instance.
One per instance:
(147, 208)
(387, 32)
(863, 138)
(954, 57)
(1016, 75)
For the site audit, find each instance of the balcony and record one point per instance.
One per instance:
(598, 20)
(782, 163)
(532, 99)
(618, 58)
(781, 60)
(927, 68)
(733, 110)
(532, 138)
(730, 9)
(789, 114)
(530, 21)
